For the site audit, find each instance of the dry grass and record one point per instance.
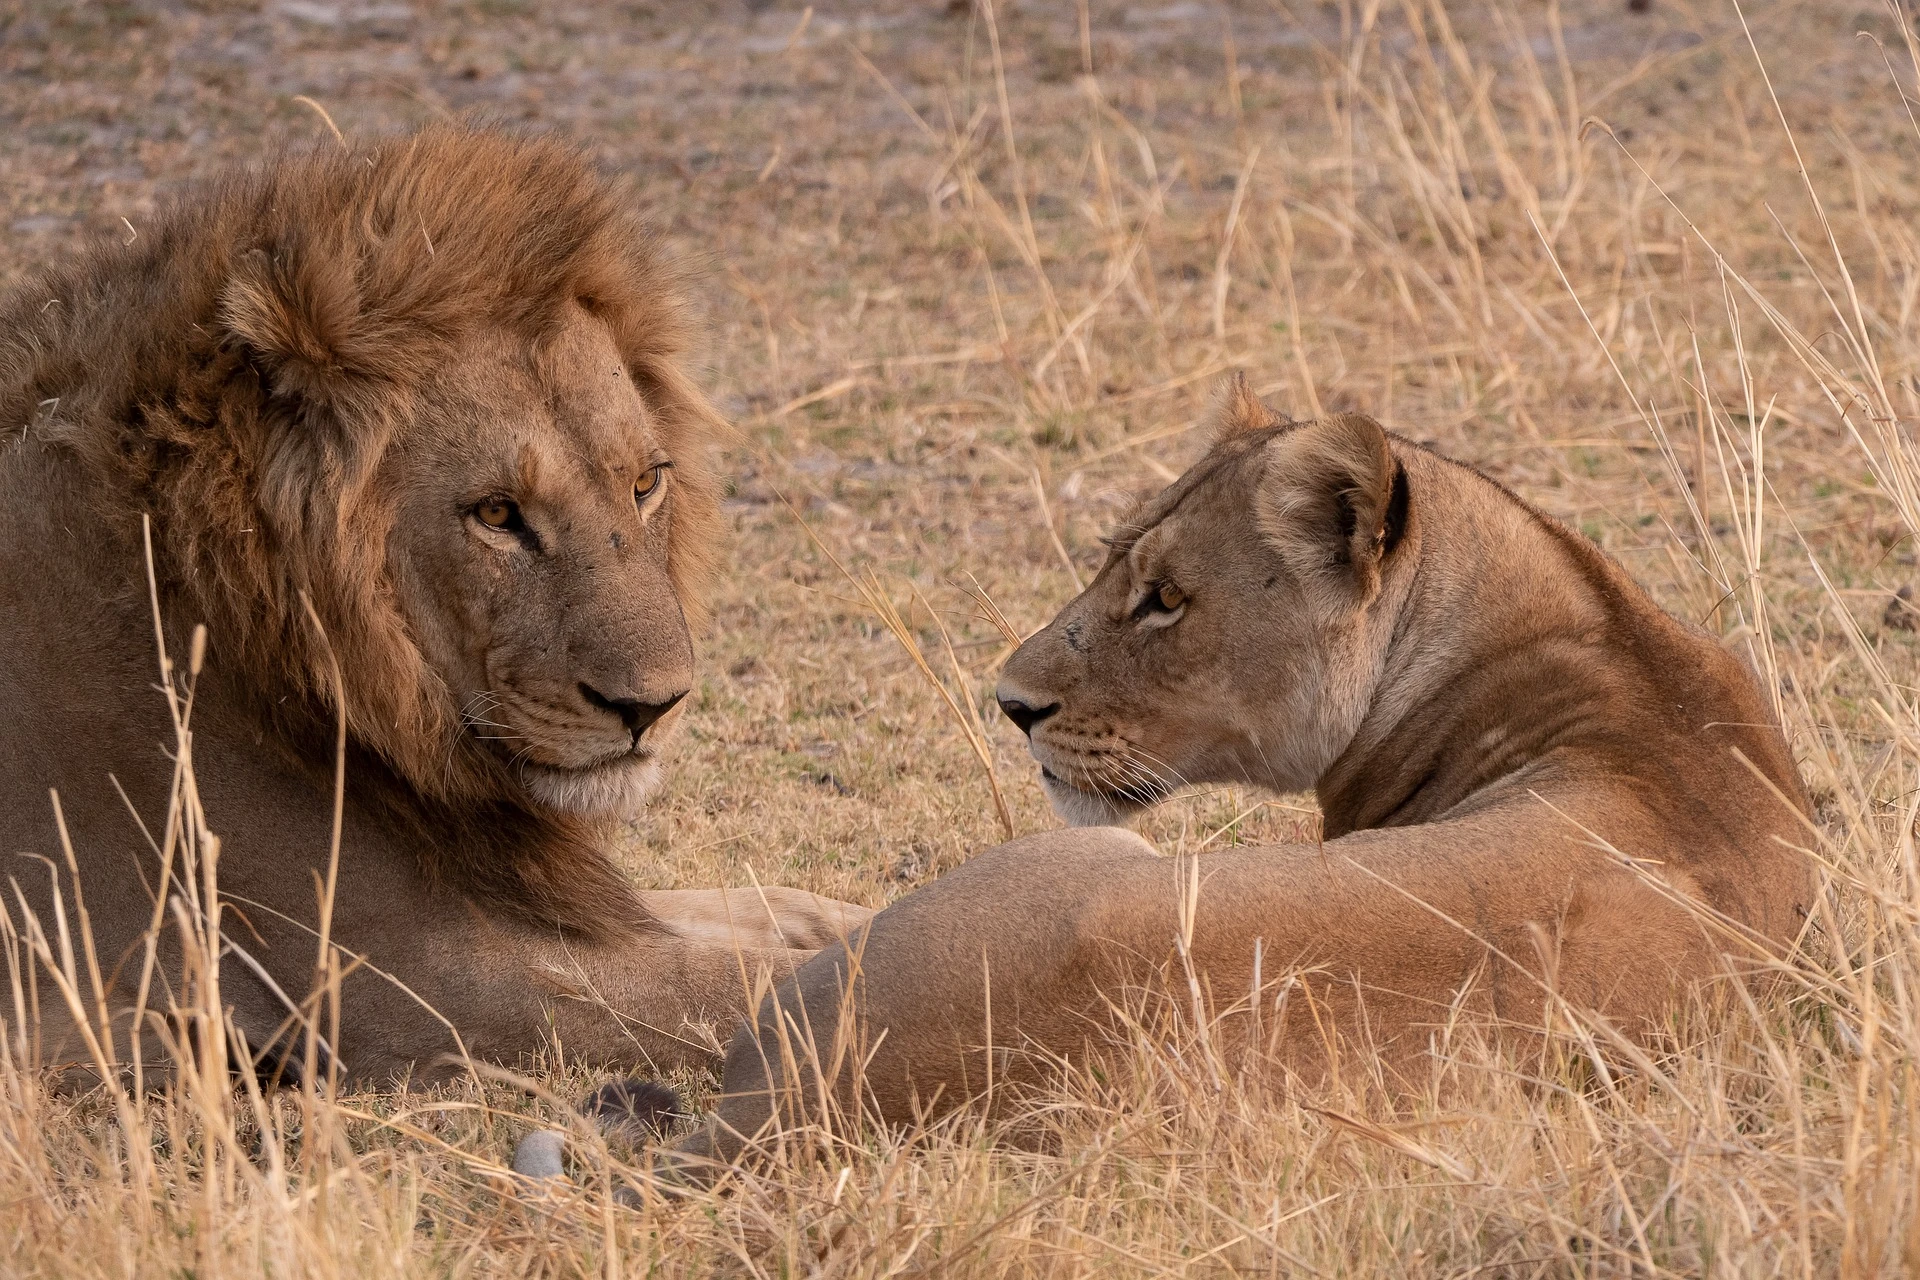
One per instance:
(968, 298)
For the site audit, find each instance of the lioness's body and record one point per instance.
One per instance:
(1495, 718)
(414, 409)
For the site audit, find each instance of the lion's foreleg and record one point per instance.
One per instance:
(771, 917)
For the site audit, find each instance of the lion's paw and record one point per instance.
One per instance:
(627, 1111)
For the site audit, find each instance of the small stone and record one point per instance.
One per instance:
(541, 1155)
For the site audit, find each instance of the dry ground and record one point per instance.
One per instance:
(970, 280)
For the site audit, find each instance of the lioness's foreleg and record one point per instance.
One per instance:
(1029, 946)
(995, 939)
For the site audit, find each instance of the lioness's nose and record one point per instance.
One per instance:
(633, 713)
(1024, 715)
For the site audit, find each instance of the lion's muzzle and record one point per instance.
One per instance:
(636, 714)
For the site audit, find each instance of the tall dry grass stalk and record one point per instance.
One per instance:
(1698, 340)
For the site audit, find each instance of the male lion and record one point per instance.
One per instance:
(414, 409)
(1533, 781)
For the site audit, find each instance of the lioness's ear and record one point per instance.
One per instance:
(1237, 410)
(1334, 499)
(295, 312)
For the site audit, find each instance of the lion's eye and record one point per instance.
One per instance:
(1170, 596)
(649, 483)
(499, 513)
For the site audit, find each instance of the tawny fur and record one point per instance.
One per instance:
(237, 373)
(274, 373)
(1480, 699)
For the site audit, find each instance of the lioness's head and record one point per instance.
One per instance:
(1234, 633)
(448, 364)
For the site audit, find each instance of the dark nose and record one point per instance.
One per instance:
(1026, 716)
(633, 713)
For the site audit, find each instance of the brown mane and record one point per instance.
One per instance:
(239, 370)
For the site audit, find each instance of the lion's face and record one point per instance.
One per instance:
(531, 502)
(1231, 635)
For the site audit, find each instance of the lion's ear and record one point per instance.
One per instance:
(296, 312)
(1334, 498)
(1236, 410)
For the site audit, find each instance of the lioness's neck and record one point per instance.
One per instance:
(1522, 658)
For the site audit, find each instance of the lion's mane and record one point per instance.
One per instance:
(237, 372)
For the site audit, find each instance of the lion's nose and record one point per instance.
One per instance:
(1025, 715)
(633, 713)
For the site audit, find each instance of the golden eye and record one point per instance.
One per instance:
(1171, 597)
(498, 513)
(649, 481)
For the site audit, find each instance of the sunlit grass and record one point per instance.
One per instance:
(960, 329)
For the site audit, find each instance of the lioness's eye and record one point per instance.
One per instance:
(499, 513)
(1160, 605)
(649, 481)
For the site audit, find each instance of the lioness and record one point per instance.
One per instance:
(414, 408)
(1532, 779)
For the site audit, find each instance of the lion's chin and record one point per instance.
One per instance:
(1079, 808)
(615, 790)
